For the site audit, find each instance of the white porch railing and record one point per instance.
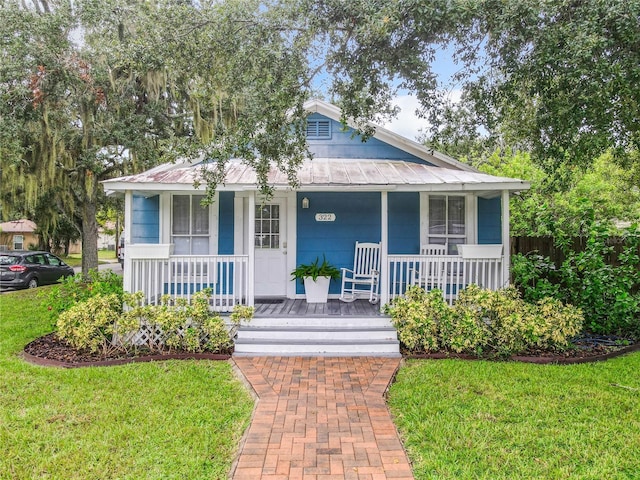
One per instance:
(449, 273)
(181, 276)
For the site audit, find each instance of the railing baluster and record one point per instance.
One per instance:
(449, 273)
(182, 275)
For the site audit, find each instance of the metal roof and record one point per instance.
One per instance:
(324, 174)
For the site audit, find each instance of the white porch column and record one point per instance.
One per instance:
(251, 248)
(506, 239)
(384, 248)
(128, 230)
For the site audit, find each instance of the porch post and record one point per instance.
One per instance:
(127, 283)
(384, 242)
(506, 240)
(251, 247)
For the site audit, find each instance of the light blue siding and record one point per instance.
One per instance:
(489, 220)
(225, 223)
(357, 219)
(145, 224)
(343, 145)
(404, 222)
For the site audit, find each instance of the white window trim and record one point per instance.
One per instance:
(166, 224)
(469, 220)
(21, 242)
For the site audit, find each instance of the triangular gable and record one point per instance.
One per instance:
(334, 140)
(387, 142)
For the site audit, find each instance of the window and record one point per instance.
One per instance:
(318, 129)
(447, 221)
(18, 242)
(51, 260)
(267, 226)
(190, 225)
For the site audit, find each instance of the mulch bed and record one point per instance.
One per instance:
(52, 351)
(586, 349)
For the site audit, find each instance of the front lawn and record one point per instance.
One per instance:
(506, 420)
(164, 420)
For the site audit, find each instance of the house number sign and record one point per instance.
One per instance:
(325, 217)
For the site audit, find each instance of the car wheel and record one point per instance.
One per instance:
(33, 283)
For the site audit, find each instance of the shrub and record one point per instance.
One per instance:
(72, 290)
(609, 296)
(180, 325)
(482, 321)
(416, 316)
(89, 325)
(101, 323)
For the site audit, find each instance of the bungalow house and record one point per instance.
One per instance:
(388, 190)
(18, 235)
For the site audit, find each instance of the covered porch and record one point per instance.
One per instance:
(228, 279)
(244, 247)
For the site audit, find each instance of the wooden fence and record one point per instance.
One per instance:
(544, 246)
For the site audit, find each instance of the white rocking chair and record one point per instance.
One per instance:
(364, 279)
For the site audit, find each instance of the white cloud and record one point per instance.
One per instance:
(407, 123)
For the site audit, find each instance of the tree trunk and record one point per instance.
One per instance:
(89, 234)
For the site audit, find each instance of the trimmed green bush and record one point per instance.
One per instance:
(89, 325)
(482, 322)
(101, 324)
(72, 290)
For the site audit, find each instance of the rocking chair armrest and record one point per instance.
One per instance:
(345, 270)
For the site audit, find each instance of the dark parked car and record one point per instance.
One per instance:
(30, 269)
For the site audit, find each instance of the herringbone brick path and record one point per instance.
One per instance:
(320, 418)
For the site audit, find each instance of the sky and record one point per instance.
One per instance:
(407, 123)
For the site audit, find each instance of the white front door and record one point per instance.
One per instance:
(270, 243)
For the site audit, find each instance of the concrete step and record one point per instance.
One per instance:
(353, 348)
(317, 333)
(318, 337)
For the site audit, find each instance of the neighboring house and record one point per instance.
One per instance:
(18, 235)
(388, 189)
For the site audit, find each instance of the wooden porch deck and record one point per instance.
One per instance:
(285, 307)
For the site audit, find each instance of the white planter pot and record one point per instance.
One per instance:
(480, 251)
(316, 291)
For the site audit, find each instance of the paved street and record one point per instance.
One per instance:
(115, 266)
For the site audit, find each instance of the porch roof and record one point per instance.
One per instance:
(323, 174)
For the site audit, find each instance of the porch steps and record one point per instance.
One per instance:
(318, 336)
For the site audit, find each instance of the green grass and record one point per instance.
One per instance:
(104, 256)
(163, 420)
(484, 420)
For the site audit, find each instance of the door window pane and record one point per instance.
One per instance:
(267, 234)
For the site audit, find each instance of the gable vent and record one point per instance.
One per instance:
(317, 129)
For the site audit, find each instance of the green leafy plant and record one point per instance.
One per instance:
(101, 323)
(72, 290)
(316, 269)
(608, 295)
(89, 325)
(482, 322)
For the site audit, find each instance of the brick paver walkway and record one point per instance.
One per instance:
(320, 418)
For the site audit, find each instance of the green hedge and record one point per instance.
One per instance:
(482, 322)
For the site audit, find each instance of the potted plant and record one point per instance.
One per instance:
(316, 277)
